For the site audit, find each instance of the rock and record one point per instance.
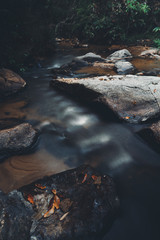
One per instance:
(69, 68)
(91, 57)
(124, 67)
(86, 205)
(150, 52)
(15, 216)
(134, 99)
(119, 55)
(153, 72)
(17, 139)
(10, 82)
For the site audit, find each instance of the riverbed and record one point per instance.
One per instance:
(72, 134)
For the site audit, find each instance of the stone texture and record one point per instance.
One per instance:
(119, 55)
(150, 52)
(17, 139)
(134, 99)
(88, 205)
(124, 67)
(15, 217)
(10, 82)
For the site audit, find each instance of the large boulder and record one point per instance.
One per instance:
(15, 216)
(72, 205)
(134, 99)
(124, 67)
(10, 82)
(119, 55)
(17, 139)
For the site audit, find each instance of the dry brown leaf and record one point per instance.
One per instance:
(40, 186)
(94, 177)
(30, 198)
(63, 217)
(56, 202)
(85, 178)
(54, 191)
(50, 212)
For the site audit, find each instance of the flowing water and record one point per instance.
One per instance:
(70, 135)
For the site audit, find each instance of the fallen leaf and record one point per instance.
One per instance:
(56, 202)
(127, 117)
(30, 198)
(54, 191)
(53, 204)
(63, 217)
(85, 178)
(134, 102)
(49, 212)
(40, 186)
(94, 177)
(154, 90)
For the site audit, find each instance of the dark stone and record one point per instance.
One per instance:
(87, 199)
(15, 217)
(10, 82)
(17, 139)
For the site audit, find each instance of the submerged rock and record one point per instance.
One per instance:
(15, 217)
(119, 55)
(134, 99)
(17, 139)
(72, 205)
(10, 82)
(124, 67)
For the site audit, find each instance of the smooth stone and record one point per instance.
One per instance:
(10, 82)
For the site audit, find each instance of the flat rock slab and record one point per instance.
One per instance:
(135, 99)
(85, 204)
(10, 82)
(15, 216)
(17, 139)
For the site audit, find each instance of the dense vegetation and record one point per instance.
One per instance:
(28, 27)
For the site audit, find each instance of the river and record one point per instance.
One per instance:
(72, 134)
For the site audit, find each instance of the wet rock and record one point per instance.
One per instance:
(153, 72)
(91, 57)
(124, 67)
(69, 68)
(17, 139)
(15, 216)
(119, 55)
(10, 82)
(134, 99)
(153, 52)
(84, 207)
(151, 134)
